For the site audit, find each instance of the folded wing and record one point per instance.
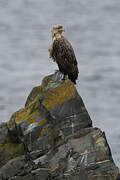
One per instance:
(64, 56)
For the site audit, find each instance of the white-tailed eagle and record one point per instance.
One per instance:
(62, 53)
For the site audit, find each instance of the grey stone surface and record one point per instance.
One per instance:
(83, 155)
(68, 148)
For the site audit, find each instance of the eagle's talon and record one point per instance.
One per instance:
(64, 77)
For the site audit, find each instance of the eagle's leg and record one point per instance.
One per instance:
(64, 76)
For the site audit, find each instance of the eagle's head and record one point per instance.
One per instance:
(57, 29)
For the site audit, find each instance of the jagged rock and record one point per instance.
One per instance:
(55, 132)
(54, 104)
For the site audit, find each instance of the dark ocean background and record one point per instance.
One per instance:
(92, 27)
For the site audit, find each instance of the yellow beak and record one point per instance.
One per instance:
(63, 29)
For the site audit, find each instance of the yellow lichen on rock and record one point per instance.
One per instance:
(10, 150)
(38, 91)
(42, 122)
(31, 118)
(58, 95)
(33, 94)
(52, 95)
(18, 116)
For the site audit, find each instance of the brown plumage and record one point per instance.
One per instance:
(63, 54)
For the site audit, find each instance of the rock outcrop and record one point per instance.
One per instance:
(52, 138)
